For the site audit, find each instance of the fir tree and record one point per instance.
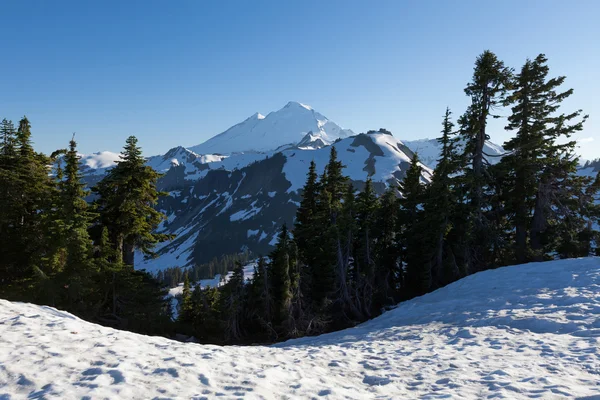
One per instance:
(389, 274)
(487, 90)
(280, 280)
(75, 212)
(440, 208)
(418, 274)
(233, 304)
(546, 202)
(127, 195)
(186, 307)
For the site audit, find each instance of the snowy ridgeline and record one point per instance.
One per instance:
(529, 331)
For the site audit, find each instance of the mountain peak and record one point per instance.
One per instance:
(256, 116)
(295, 104)
(287, 126)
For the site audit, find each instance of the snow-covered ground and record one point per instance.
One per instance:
(529, 331)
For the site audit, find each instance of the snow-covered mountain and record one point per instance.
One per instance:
(240, 202)
(528, 331)
(98, 163)
(288, 125)
(234, 191)
(429, 151)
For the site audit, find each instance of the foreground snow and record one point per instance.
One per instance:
(530, 331)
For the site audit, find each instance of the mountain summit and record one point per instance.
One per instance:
(259, 133)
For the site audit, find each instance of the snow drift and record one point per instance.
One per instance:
(528, 331)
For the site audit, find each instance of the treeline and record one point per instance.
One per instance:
(59, 250)
(217, 266)
(352, 254)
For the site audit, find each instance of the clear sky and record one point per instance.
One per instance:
(177, 73)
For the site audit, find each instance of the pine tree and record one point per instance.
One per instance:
(233, 304)
(365, 256)
(306, 233)
(260, 302)
(8, 188)
(349, 282)
(186, 307)
(280, 281)
(546, 202)
(440, 207)
(127, 195)
(418, 274)
(75, 213)
(305, 214)
(26, 190)
(487, 90)
(389, 274)
(322, 267)
(336, 182)
(490, 82)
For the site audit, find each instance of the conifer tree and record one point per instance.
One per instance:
(418, 274)
(75, 213)
(543, 191)
(440, 207)
(306, 233)
(322, 268)
(260, 302)
(25, 198)
(233, 304)
(349, 282)
(365, 256)
(336, 182)
(279, 269)
(127, 195)
(186, 307)
(389, 274)
(8, 189)
(487, 90)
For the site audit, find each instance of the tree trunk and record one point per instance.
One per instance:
(538, 223)
(521, 222)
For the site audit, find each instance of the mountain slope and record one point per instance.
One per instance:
(288, 125)
(240, 202)
(528, 331)
(429, 151)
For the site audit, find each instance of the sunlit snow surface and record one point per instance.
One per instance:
(529, 331)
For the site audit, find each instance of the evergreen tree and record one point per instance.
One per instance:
(75, 213)
(322, 268)
(233, 304)
(418, 274)
(280, 280)
(440, 207)
(335, 182)
(365, 256)
(348, 280)
(26, 190)
(547, 204)
(260, 301)
(306, 234)
(487, 90)
(186, 307)
(8, 191)
(389, 274)
(127, 196)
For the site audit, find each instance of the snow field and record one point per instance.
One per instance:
(528, 331)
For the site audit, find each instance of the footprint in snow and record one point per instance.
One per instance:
(376, 380)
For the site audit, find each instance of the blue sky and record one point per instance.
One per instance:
(177, 73)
